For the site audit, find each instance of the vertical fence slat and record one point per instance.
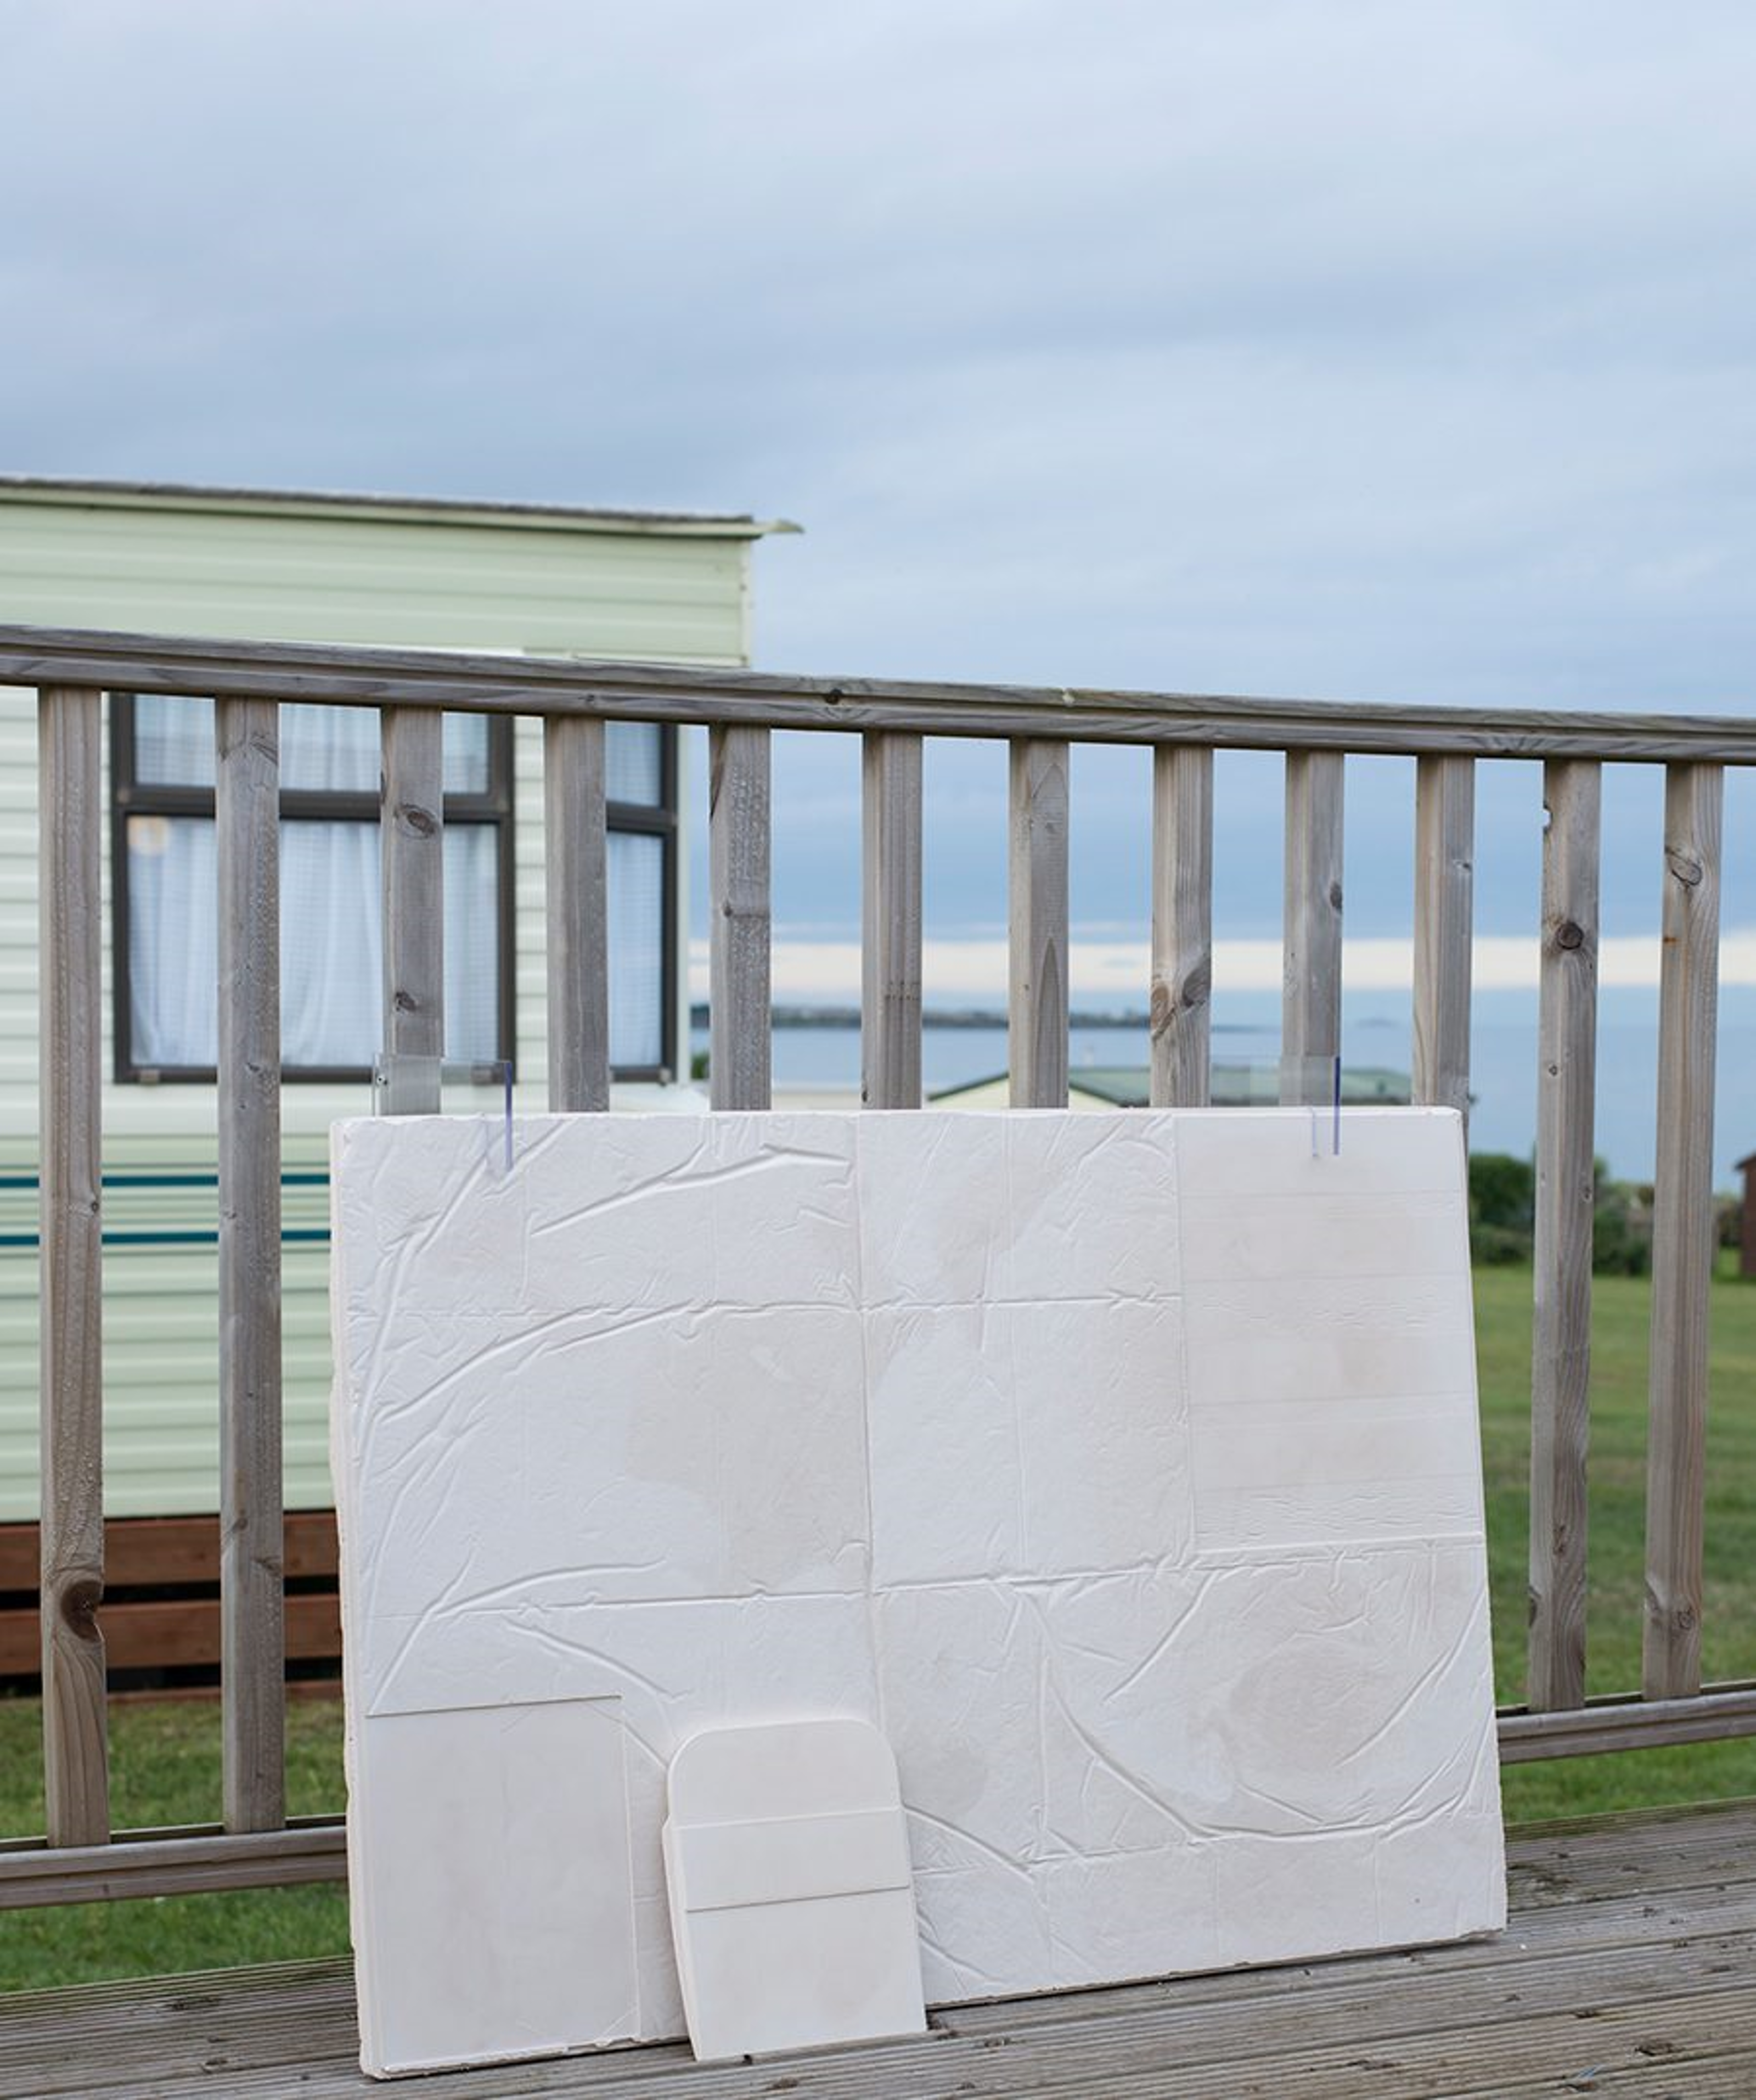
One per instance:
(253, 1642)
(1310, 1032)
(576, 848)
(740, 1056)
(1683, 1232)
(890, 1020)
(1444, 829)
(76, 1759)
(1037, 1001)
(413, 834)
(1182, 925)
(1560, 1363)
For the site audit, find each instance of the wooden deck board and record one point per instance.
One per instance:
(1629, 1969)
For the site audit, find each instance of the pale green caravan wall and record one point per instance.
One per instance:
(336, 577)
(576, 593)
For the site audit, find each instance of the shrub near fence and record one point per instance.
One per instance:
(1502, 1195)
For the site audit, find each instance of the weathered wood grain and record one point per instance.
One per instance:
(252, 1668)
(1310, 1028)
(1683, 1232)
(1445, 878)
(185, 1863)
(1627, 1724)
(70, 790)
(1560, 1360)
(172, 1632)
(413, 834)
(669, 693)
(1183, 926)
(1618, 1975)
(1036, 1033)
(1354, 2032)
(740, 1055)
(161, 1550)
(575, 844)
(890, 1016)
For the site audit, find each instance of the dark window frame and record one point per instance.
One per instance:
(130, 796)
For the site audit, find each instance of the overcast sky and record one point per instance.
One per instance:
(1353, 350)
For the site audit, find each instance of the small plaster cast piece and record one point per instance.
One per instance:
(792, 1905)
(495, 1918)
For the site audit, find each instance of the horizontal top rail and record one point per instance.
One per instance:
(353, 677)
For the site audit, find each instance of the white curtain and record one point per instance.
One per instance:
(173, 943)
(636, 878)
(633, 769)
(331, 945)
(331, 927)
(322, 749)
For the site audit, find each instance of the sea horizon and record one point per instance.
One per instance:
(964, 1041)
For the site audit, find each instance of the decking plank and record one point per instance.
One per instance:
(169, 2032)
(1629, 1968)
(247, 2012)
(1689, 2040)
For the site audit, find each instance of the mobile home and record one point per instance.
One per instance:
(278, 567)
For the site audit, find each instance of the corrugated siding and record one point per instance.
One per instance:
(440, 586)
(18, 905)
(416, 585)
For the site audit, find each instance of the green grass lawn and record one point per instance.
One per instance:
(166, 1756)
(1620, 1305)
(164, 1769)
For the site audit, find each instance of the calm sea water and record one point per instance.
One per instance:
(1376, 1033)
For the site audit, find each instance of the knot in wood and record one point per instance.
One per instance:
(412, 818)
(405, 1002)
(1687, 869)
(1568, 935)
(79, 1609)
(1334, 896)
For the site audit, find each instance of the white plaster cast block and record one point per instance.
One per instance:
(792, 1906)
(1123, 1470)
(942, 1420)
(494, 1909)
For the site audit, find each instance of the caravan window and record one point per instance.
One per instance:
(164, 876)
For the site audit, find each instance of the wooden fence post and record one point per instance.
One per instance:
(1683, 1232)
(1444, 824)
(1310, 1029)
(575, 842)
(413, 834)
(890, 952)
(1037, 1000)
(1560, 1363)
(70, 802)
(740, 1049)
(253, 1630)
(1182, 925)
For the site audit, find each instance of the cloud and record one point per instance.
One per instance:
(1360, 351)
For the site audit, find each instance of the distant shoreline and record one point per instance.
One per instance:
(955, 1016)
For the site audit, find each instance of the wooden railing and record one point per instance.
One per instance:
(79, 1857)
